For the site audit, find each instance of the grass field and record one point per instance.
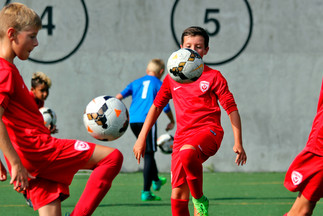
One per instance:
(230, 194)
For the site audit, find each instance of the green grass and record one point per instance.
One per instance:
(230, 194)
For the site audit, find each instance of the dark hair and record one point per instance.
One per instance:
(194, 31)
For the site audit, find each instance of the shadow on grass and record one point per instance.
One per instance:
(130, 205)
(252, 198)
(136, 204)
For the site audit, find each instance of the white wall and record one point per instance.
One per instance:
(275, 80)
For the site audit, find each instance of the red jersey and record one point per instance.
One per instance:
(196, 104)
(25, 125)
(315, 140)
(39, 103)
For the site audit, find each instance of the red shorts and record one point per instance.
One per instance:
(54, 181)
(206, 142)
(305, 174)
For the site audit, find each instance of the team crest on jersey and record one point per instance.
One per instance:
(204, 86)
(296, 178)
(81, 146)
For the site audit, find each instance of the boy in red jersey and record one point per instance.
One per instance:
(42, 165)
(305, 174)
(40, 84)
(199, 132)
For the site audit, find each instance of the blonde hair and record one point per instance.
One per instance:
(156, 65)
(40, 78)
(19, 17)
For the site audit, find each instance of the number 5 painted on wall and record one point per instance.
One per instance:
(207, 19)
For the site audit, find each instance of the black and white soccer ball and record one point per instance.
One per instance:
(49, 116)
(106, 118)
(165, 143)
(185, 65)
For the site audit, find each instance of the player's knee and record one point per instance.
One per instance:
(115, 158)
(188, 156)
(181, 192)
(187, 147)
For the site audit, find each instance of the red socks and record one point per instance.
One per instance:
(98, 184)
(194, 171)
(179, 207)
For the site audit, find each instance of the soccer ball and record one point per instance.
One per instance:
(185, 65)
(106, 118)
(49, 116)
(165, 143)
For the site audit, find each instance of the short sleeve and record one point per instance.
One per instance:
(6, 87)
(163, 95)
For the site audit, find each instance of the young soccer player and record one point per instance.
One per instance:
(305, 174)
(199, 132)
(40, 85)
(43, 165)
(143, 91)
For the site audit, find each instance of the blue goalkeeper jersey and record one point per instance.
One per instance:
(143, 91)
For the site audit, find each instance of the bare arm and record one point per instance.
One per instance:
(171, 124)
(18, 171)
(241, 158)
(140, 145)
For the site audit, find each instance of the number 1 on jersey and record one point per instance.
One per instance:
(145, 89)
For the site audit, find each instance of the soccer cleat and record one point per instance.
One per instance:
(149, 196)
(28, 201)
(157, 184)
(201, 205)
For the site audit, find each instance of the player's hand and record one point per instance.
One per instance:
(170, 126)
(52, 129)
(241, 157)
(19, 177)
(3, 172)
(139, 149)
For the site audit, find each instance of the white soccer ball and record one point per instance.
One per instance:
(106, 118)
(185, 65)
(49, 116)
(165, 143)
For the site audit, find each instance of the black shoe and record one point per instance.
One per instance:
(28, 201)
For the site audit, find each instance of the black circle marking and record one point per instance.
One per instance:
(77, 46)
(228, 59)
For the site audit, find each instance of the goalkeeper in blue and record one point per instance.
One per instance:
(143, 92)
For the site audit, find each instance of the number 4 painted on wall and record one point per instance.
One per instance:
(49, 13)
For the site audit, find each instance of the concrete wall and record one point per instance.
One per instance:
(275, 76)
